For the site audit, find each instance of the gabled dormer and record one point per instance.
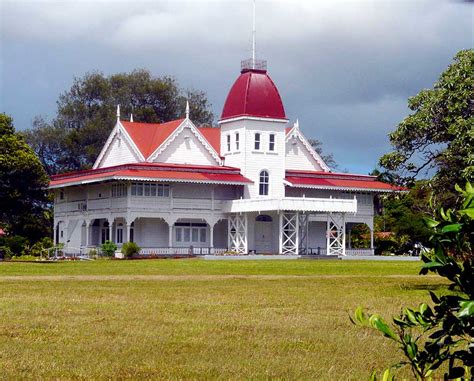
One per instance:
(177, 142)
(300, 155)
(120, 148)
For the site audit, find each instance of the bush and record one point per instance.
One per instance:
(108, 248)
(130, 249)
(14, 245)
(40, 248)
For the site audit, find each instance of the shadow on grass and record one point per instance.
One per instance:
(426, 287)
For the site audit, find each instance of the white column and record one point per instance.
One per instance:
(170, 234)
(372, 238)
(55, 229)
(111, 222)
(211, 235)
(280, 232)
(88, 224)
(129, 227)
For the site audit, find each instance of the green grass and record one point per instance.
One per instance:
(192, 319)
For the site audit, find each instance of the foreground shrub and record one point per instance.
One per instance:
(14, 245)
(130, 249)
(430, 337)
(108, 248)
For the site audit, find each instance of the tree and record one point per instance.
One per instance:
(402, 216)
(87, 112)
(23, 186)
(430, 336)
(438, 135)
(327, 158)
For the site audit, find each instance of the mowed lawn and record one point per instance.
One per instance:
(195, 319)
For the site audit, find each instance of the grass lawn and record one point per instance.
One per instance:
(194, 319)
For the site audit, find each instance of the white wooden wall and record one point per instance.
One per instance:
(298, 157)
(151, 232)
(186, 149)
(251, 161)
(119, 152)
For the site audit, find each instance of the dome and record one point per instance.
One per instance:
(253, 94)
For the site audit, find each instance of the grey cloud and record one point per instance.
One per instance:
(345, 68)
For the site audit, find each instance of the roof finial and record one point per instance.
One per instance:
(297, 124)
(131, 117)
(254, 32)
(118, 113)
(187, 109)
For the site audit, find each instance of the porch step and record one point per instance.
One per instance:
(319, 257)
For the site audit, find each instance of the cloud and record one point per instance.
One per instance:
(345, 68)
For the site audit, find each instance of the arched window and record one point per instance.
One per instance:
(263, 188)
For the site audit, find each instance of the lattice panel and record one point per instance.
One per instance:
(336, 235)
(238, 233)
(303, 220)
(289, 233)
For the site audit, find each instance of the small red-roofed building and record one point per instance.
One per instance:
(253, 184)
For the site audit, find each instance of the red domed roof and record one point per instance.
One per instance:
(253, 94)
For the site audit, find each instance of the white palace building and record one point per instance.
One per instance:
(252, 185)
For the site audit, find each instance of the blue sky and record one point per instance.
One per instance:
(345, 69)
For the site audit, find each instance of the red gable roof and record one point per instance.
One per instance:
(253, 94)
(213, 136)
(149, 136)
(328, 180)
(153, 172)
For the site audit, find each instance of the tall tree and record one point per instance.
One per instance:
(23, 185)
(438, 136)
(87, 111)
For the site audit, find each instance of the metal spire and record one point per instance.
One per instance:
(187, 109)
(118, 113)
(297, 124)
(254, 32)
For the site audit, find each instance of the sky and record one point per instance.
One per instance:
(345, 69)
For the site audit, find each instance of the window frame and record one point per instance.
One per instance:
(264, 183)
(257, 141)
(271, 142)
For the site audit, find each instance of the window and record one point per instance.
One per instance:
(119, 233)
(104, 236)
(150, 190)
(190, 233)
(237, 141)
(257, 141)
(271, 143)
(263, 188)
(61, 194)
(119, 190)
(132, 235)
(228, 143)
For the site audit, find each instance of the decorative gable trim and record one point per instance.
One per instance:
(296, 133)
(119, 131)
(186, 124)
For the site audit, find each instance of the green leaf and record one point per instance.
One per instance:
(467, 309)
(452, 228)
(429, 222)
(431, 265)
(468, 212)
(377, 322)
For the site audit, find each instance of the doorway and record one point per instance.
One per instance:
(263, 234)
